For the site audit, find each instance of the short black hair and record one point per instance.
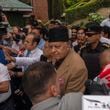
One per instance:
(75, 27)
(37, 77)
(38, 28)
(93, 27)
(82, 28)
(42, 30)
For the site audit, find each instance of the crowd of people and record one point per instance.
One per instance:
(51, 67)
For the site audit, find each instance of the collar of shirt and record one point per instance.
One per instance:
(34, 50)
(51, 102)
(57, 64)
(41, 43)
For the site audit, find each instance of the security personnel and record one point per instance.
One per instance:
(91, 51)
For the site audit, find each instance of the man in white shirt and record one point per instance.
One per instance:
(5, 89)
(31, 54)
(105, 34)
(105, 40)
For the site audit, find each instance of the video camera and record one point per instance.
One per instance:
(3, 29)
(3, 24)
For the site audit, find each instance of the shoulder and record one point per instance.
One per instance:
(69, 96)
(84, 48)
(39, 51)
(74, 58)
(105, 20)
(105, 45)
(105, 40)
(71, 101)
(75, 62)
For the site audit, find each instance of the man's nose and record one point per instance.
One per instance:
(25, 43)
(87, 38)
(53, 49)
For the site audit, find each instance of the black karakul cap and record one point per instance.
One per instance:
(94, 28)
(58, 34)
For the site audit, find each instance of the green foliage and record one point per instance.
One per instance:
(68, 3)
(106, 3)
(82, 8)
(74, 9)
(55, 8)
(95, 17)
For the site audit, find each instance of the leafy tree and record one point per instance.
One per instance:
(68, 3)
(95, 17)
(55, 8)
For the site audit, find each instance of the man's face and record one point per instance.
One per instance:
(74, 33)
(28, 43)
(93, 37)
(81, 37)
(15, 30)
(37, 32)
(59, 50)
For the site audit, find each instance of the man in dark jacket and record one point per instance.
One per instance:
(90, 53)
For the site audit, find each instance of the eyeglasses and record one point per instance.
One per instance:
(74, 32)
(90, 34)
(80, 33)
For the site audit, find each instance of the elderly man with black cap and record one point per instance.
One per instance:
(92, 49)
(71, 69)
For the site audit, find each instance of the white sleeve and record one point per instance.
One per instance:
(26, 61)
(102, 23)
(4, 75)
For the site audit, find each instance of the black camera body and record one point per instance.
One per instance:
(3, 24)
(17, 38)
(3, 29)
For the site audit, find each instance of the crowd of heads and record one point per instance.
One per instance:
(56, 40)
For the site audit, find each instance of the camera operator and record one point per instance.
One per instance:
(17, 38)
(3, 17)
(3, 23)
(33, 21)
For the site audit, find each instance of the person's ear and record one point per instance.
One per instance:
(68, 45)
(54, 90)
